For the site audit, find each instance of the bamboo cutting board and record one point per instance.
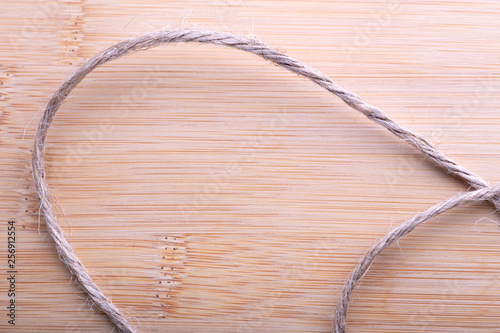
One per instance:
(207, 190)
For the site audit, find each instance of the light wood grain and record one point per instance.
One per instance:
(207, 190)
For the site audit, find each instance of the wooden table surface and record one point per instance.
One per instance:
(207, 190)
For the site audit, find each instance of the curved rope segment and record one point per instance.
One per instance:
(253, 46)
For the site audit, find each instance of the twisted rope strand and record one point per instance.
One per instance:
(395, 235)
(76, 267)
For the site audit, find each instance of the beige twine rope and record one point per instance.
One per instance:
(483, 190)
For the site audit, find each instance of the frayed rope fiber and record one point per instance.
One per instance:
(483, 191)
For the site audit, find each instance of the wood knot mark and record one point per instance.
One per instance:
(71, 31)
(6, 108)
(170, 273)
